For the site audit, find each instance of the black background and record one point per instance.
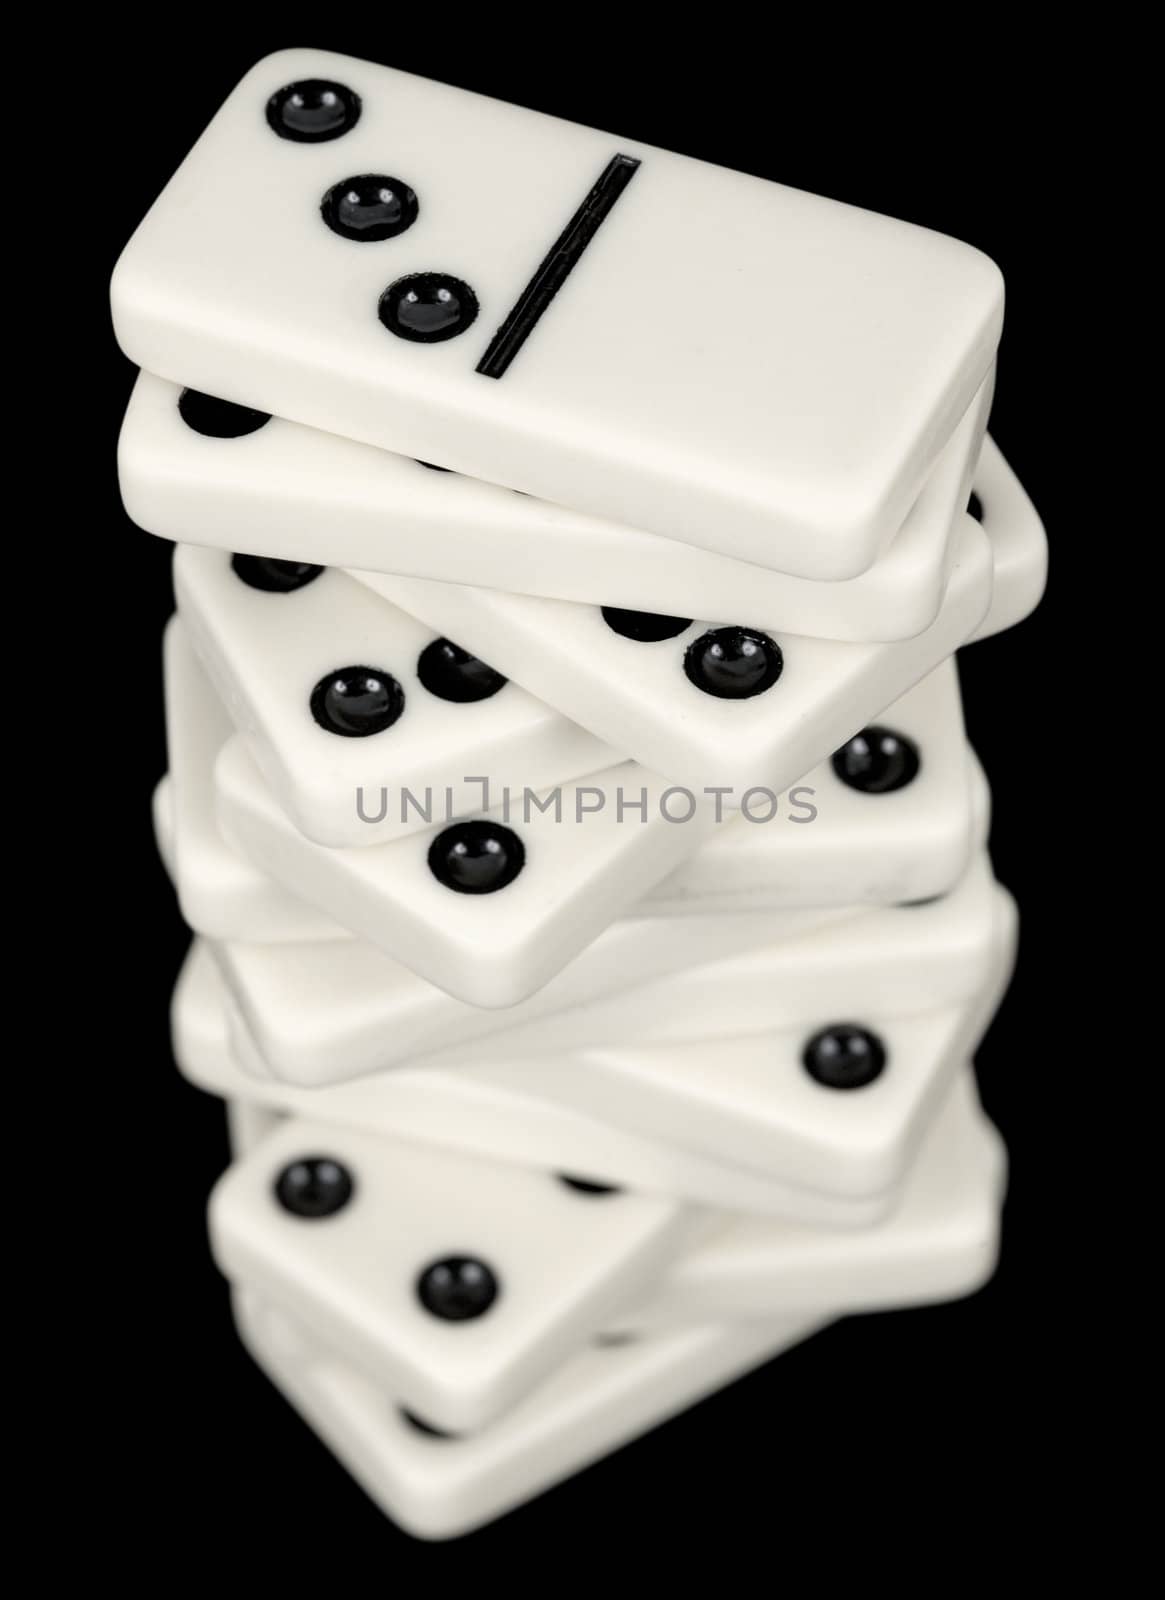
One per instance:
(940, 1417)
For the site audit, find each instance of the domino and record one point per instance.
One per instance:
(458, 1112)
(339, 695)
(941, 1242)
(909, 842)
(902, 959)
(455, 1282)
(324, 1012)
(268, 914)
(489, 908)
(221, 894)
(268, 895)
(248, 1124)
(895, 815)
(751, 861)
(162, 818)
(482, 306)
(439, 1486)
(708, 702)
(188, 474)
(836, 1106)
(1018, 542)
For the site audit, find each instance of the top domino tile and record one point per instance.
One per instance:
(705, 355)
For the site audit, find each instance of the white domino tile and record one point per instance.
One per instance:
(551, 882)
(827, 842)
(321, 1013)
(797, 432)
(267, 653)
(813, 695)
(222, 895)
(556, 1260)
(941, 1241)
(300, 494)
(1018, 542)
(442, 1487)
(454, 1111)
(897, 959)
(754, 1102)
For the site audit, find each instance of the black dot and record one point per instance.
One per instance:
(457, 1288)
(975, 507)
(733, 663)
(313, 111)
(476, 857)
(218, 419)
(427, 307)
(451, 673)
(422, 1426)
(369, 207)
(273, 576)
(357, 701)
(586, 1185)
(927, 900)
(645, 626)
(844, 1056)
(877, 761)
(433, 467)
(314, 1186)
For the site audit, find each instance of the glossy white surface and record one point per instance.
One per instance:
(774, 380)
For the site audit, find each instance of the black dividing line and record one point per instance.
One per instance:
(557, 265)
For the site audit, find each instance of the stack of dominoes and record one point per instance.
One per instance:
(568, 786)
